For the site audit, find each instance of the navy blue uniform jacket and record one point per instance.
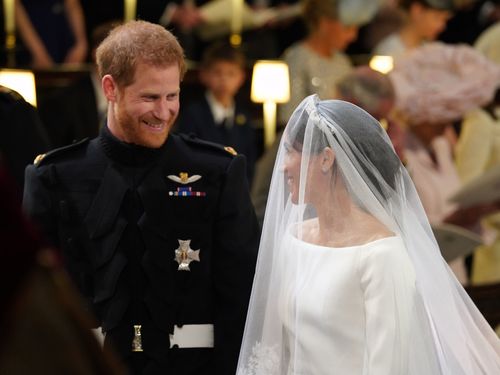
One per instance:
(117, 214)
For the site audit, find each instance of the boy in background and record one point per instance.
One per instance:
(218, 116)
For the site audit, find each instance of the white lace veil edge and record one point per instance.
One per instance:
(439, 331)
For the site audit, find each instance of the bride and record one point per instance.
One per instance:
(350, 279)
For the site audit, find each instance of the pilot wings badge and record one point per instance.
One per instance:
(184, 178)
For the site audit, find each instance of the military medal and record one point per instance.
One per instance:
(137, 340)
(185, 255)
(185, 191)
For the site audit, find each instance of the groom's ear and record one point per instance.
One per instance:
(327, 159)
(109, 87)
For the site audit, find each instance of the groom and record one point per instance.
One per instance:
(157, 230)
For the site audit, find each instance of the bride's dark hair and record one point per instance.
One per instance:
(365, 132)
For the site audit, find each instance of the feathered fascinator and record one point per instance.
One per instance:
(439, 83)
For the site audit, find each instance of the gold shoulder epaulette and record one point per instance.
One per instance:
(38, 159)
(194, 140)
(231, 150)
(58, 151)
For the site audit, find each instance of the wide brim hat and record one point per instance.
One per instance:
(357, 12)
(438, 83)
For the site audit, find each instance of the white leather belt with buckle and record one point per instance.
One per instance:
(193, 336)
(99, 335)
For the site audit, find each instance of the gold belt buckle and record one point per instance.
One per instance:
(137, 341)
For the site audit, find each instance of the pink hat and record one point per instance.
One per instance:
(439, 83)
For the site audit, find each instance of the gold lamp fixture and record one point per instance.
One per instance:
(382, 64)
(270, 85)
(22, 81)
(236, 22)
(10, 31)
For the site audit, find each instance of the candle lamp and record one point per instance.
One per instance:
(270, 85)
(382, 64)
(236, 22)
(21, 81)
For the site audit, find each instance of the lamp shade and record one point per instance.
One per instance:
(382, 64)
(22, 81)
(270, 82)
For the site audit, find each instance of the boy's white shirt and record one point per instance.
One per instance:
(219, 112)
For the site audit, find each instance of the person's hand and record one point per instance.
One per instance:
(468, 217)
(77, 54)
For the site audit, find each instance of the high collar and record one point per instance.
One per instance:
(127, 153)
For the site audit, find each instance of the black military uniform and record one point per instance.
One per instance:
(159, 241)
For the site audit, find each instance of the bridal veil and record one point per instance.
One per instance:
(418, 319)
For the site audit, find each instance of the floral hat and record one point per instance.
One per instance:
(439, 83)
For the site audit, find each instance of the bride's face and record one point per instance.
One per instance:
(291, 168)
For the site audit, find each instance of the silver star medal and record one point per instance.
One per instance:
(185, 255)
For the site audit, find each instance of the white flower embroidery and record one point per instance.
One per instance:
(263, 361)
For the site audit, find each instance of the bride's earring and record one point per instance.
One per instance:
(325, 170)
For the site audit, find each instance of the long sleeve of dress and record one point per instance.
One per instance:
(388, 283)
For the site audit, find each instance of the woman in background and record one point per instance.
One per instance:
(317, 63)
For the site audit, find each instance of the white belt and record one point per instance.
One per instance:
(193, 336)
(99, 335)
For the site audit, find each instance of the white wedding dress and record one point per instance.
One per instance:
(390, 306)
(338, 307)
